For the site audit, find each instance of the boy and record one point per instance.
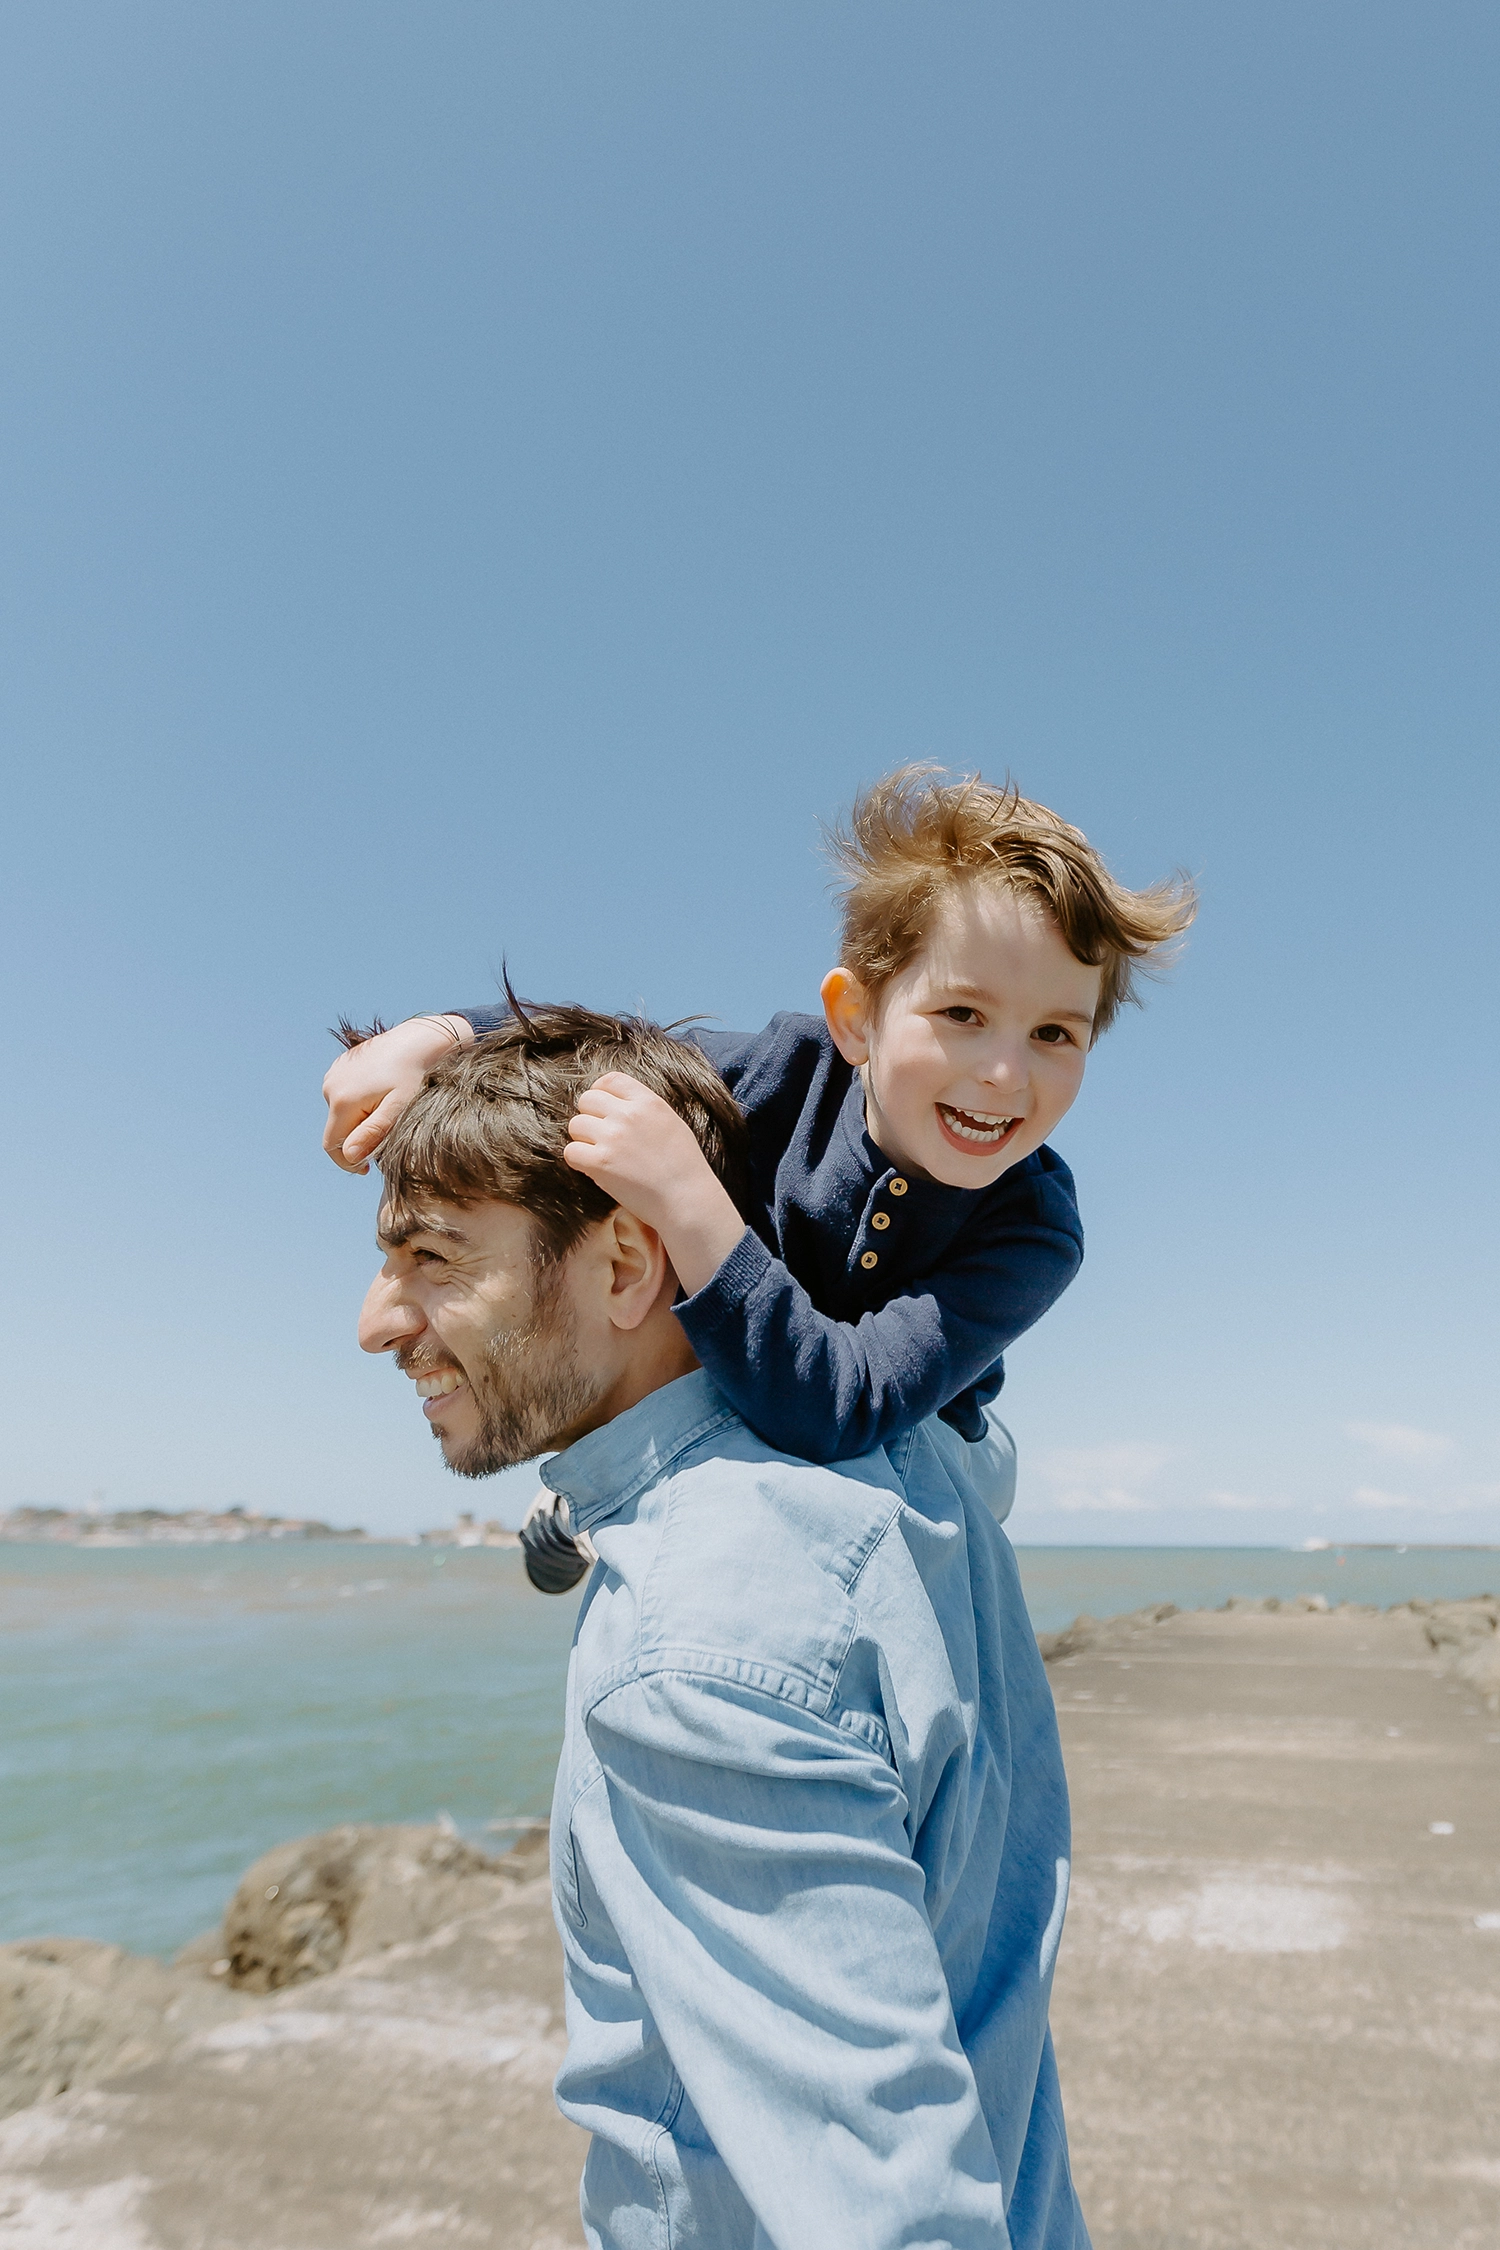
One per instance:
(906, 1221)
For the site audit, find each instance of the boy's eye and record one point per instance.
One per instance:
(961, 1015)
(1052, 1033)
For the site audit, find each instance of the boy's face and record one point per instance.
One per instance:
(972, 1054)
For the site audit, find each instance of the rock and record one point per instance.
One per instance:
(1087, 1632)
(1456, 1624)
(73, 2012)
(1479, 1667)
(309, 1906)
(1069, 1641)
(1466, 1636)
(205, 1954)
(404, 2097)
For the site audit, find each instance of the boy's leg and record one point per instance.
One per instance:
(992, 1465)
(989, 1466)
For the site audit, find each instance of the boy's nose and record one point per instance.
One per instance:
(385, 1318)
(1007, 1066)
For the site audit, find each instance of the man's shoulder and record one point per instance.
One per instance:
(740, 1564)
(734, 1490)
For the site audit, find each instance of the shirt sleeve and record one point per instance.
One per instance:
(732, 1053)
(481, 1020)
(830, 1390)
(753, 1861)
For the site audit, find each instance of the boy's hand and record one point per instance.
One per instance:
(637, 1148)
(367, 1088)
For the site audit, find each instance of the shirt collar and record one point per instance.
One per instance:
(604, 1471)
(930, 1195)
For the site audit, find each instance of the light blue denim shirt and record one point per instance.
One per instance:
(809, 1848)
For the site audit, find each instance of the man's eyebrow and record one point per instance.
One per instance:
(396, 1237)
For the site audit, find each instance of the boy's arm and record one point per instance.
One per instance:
(829, 1389)
(374, 1079)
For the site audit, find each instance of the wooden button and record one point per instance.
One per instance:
(869, 1259)
(898, 1187)
(881, 1219)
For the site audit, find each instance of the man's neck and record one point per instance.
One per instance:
(659, 1354)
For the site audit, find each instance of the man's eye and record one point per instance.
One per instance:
(961, 1015)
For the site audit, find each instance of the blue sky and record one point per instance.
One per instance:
(490, 479)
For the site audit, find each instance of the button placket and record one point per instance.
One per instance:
(880, 1221)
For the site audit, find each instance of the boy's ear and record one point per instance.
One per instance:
(846, 1004)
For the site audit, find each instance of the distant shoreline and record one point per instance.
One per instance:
(234, 1527)
(230, 1527)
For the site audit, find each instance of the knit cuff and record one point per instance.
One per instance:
(722, 1299)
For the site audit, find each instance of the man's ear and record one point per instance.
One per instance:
(846, 1004)
(640, 1269)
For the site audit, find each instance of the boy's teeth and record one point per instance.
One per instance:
(438, 1386)
(975, 1124)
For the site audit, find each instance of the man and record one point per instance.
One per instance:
(810, 1830)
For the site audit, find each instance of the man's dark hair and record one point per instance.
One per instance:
(491, 1120)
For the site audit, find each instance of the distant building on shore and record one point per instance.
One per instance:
(465, 1532)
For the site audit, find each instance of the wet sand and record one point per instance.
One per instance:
(1277, 2009)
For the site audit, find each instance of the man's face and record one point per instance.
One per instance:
(977, 1049)
(487, 1333)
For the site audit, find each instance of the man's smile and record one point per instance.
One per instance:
(438, 1386)
(434, 1386)
(977, 1132)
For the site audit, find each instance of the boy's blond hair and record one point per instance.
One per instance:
(912, 837)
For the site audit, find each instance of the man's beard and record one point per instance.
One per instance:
(531, 1391)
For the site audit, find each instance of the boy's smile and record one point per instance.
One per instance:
(973, 1134)
(972, 1053)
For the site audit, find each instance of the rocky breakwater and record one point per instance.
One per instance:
(1464, 1634)
(363, 2053)
(1275, 2007)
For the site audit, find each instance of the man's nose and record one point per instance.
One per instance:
(385, 1317)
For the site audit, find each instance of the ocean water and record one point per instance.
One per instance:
(167, 1714)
